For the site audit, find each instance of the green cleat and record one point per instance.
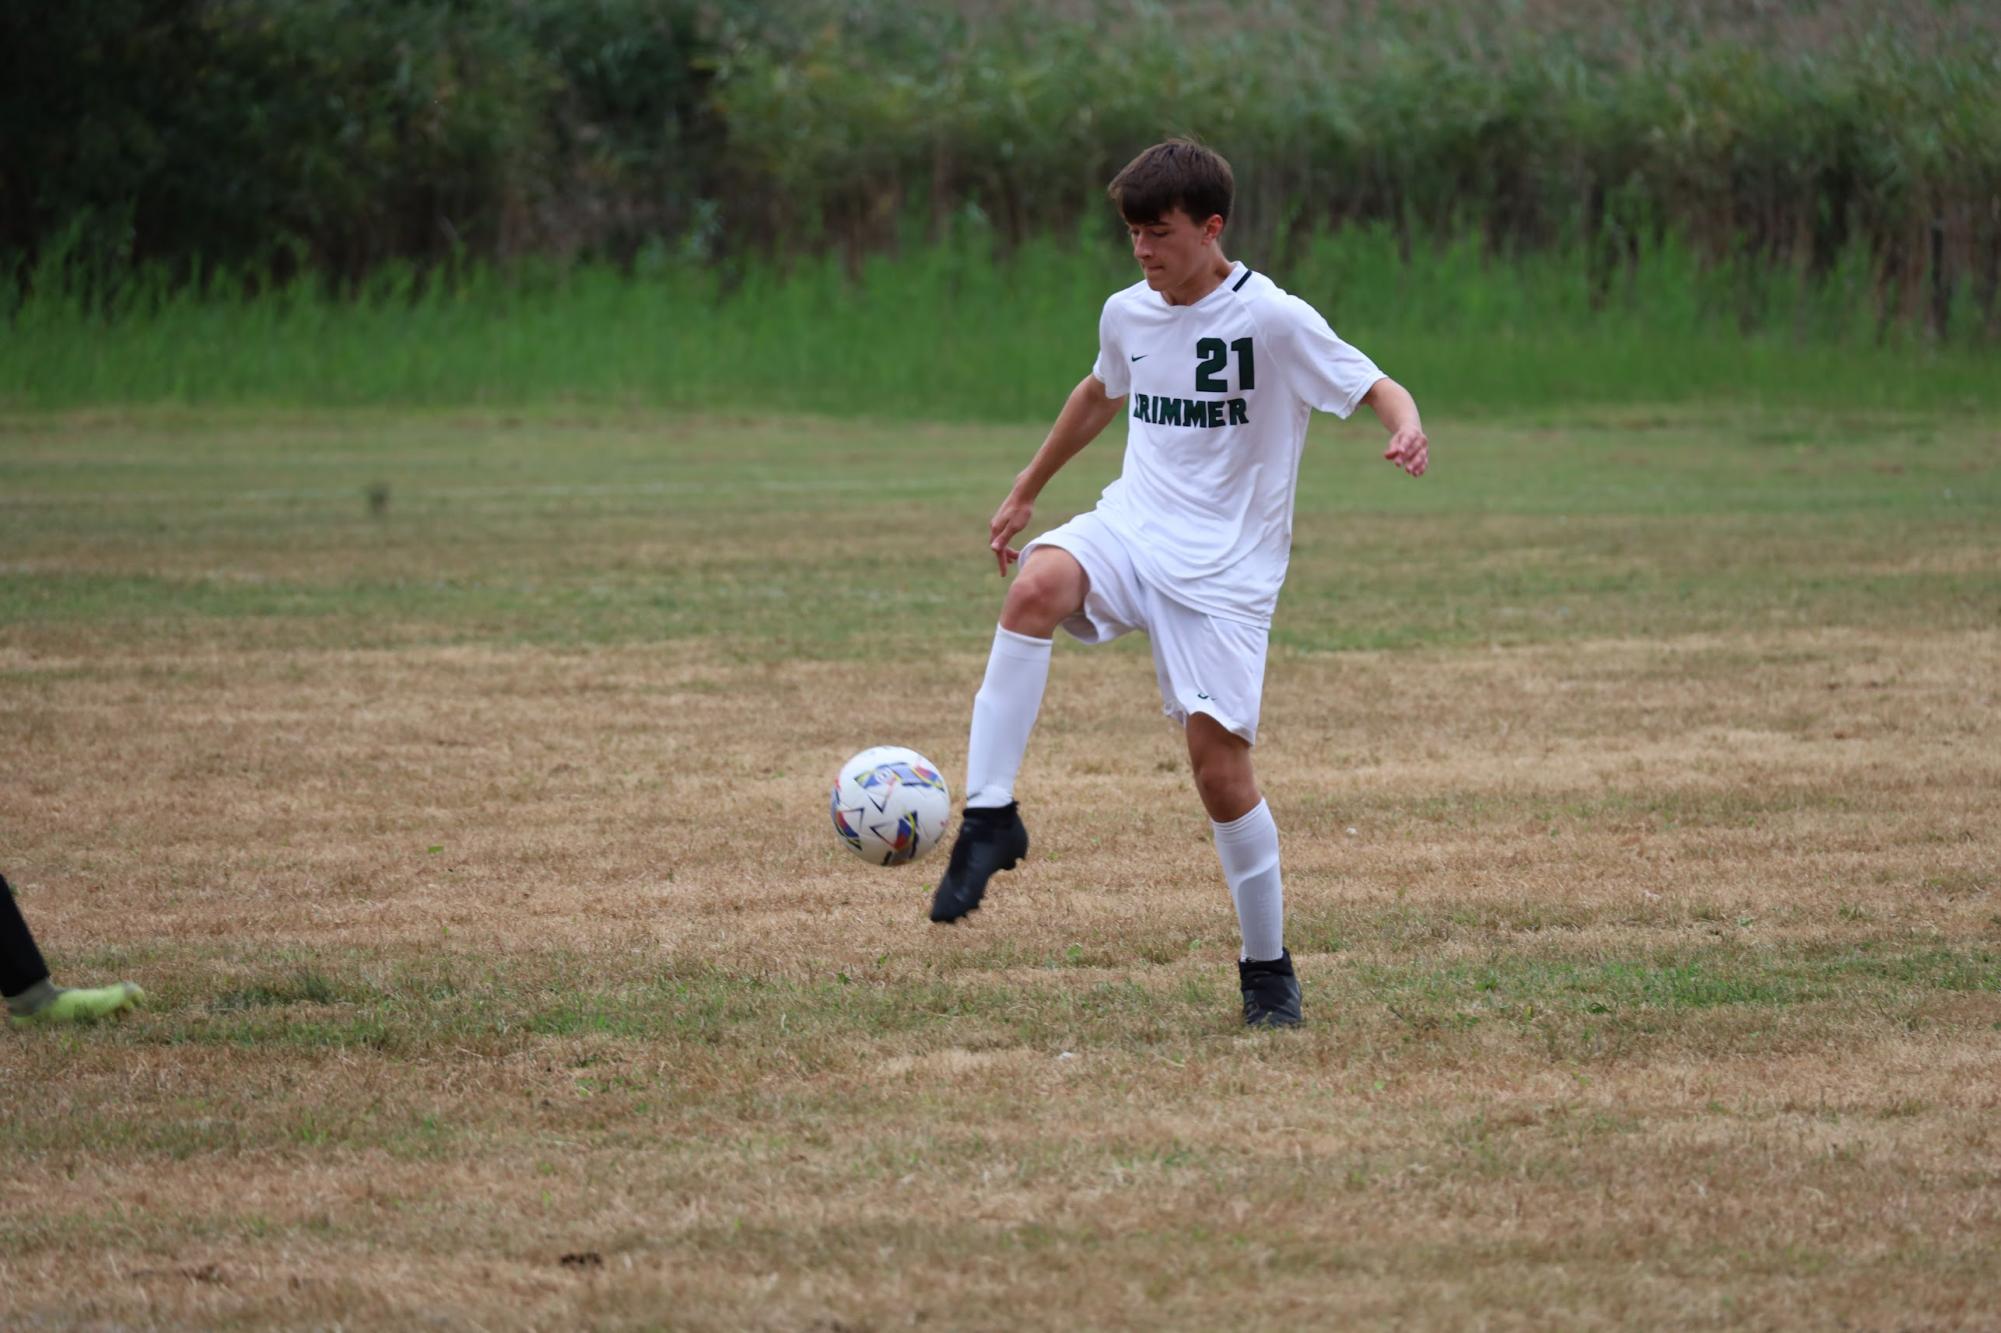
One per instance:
(84, 1005)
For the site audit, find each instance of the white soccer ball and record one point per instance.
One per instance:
(890, 805)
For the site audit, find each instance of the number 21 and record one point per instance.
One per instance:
(1215, 356)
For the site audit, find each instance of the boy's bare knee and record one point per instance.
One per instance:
(1030, 609)
(1225, 795)
(1221, 763)
(1048, 591)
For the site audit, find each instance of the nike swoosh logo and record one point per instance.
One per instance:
(1143, 356)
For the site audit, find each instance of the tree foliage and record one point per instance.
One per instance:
(336, 135)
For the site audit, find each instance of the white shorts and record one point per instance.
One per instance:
(1205, 664)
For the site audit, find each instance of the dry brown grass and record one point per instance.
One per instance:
(1410, 1159)
(1651, 981)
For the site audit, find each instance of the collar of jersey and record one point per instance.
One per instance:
(1236, 272)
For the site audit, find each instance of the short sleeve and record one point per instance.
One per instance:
(1328, 375)
(1112, 368)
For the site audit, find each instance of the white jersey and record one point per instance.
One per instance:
(1221, 392)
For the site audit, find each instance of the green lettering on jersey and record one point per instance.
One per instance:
(1201, 413)
(1215, 356)
(1247, 366)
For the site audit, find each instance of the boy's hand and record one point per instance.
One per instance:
(1009, 519)
(1410, 450)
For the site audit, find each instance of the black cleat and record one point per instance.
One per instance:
(1271, 993)
(988, 840)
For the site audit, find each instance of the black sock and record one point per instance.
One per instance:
(21, 964)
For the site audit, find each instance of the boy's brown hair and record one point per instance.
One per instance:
(1177, 174)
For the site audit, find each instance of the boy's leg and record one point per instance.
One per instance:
(1247, 845)
(1049, 590)
(21, 964)
(1246, 835)
(24, 978)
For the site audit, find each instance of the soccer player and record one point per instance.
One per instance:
(1217, 371)
(24, 979)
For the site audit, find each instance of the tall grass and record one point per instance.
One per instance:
(948, 331)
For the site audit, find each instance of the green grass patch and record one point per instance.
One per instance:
(814, 1016)
(779, 538)
(306, 986)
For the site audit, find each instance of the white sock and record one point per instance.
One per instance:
(1003, 714)
(1248, 849)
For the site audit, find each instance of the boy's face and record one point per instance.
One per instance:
(1172, 249)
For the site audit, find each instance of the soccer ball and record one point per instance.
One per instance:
(890, 805)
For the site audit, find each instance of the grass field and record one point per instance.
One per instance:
(1637, 770)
